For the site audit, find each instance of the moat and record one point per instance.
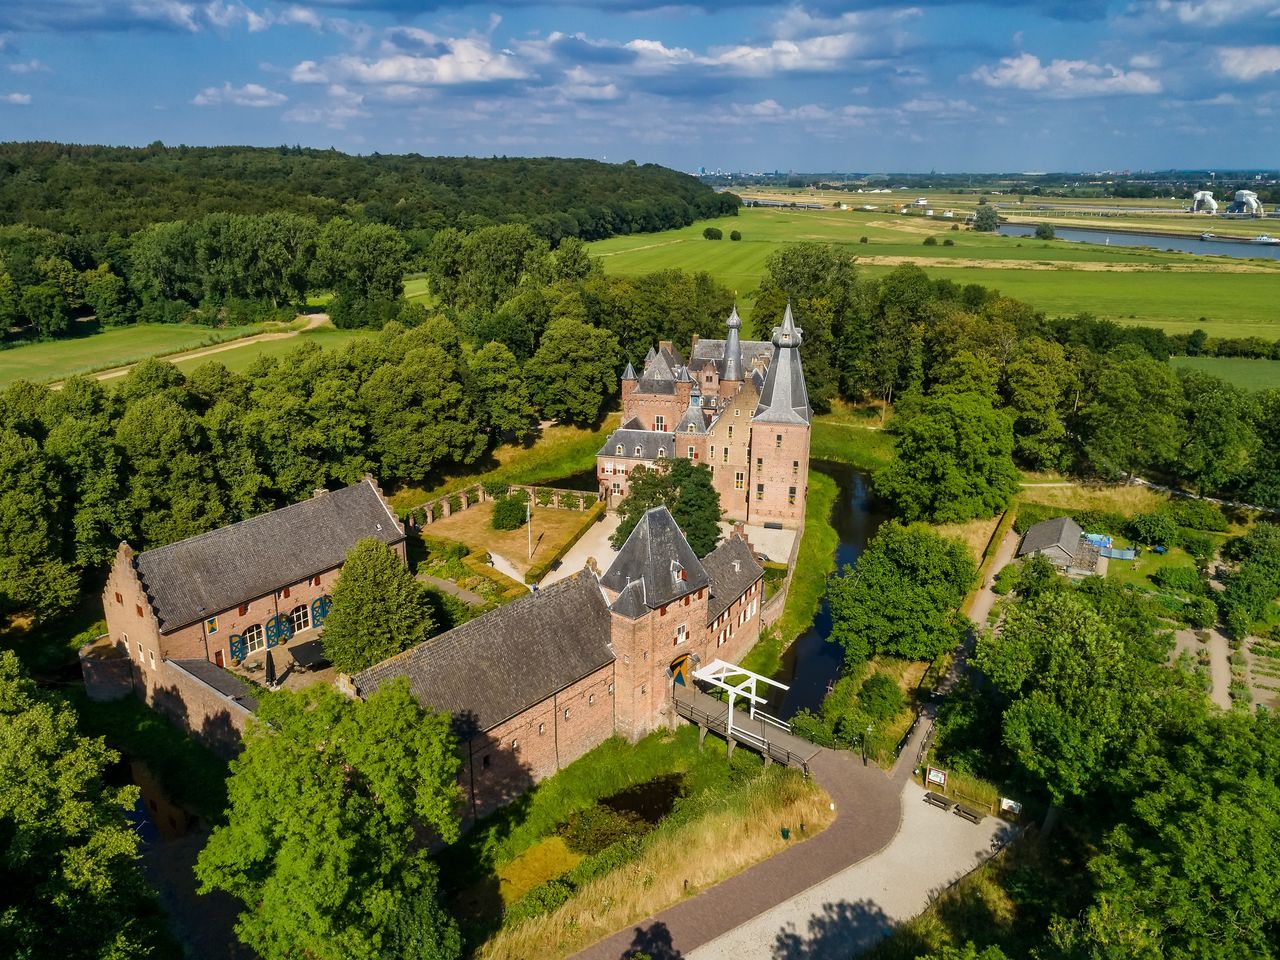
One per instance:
(812, 663)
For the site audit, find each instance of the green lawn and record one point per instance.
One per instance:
(1138, 573)
(1233, 304)
(242, 357)
(1240, 371)
(57, 359)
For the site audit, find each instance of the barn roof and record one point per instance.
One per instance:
(206, 574)
(492, 668)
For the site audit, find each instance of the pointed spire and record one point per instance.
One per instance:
(630, 372)
(733, 349)
(682, 375)
(784, 397)
(648, 357)
(787, 335)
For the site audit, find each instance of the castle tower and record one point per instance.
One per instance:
(629, 383)
(731, 378)
(780, 434)
(658, 592)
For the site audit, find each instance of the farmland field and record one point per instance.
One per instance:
(1240, 371)
(1225, 296)
(55, 359)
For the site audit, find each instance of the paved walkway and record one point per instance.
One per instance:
(855, 908)
(867, 817)
(506, 567)
(594, 543)
(451, 588)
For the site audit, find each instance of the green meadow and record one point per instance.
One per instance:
(1138, 286)
(239, 359)
(1240, 371)
(56, 359)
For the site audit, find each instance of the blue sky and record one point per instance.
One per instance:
(951, 86)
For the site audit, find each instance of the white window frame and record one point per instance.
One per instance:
(739, 480)
(618, 450)
(305, 619)
(682, 634)
(252, 633)
(660, 423)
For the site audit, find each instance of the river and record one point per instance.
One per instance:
(813, 662)
(1118, 238)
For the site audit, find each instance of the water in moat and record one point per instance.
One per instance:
(812, 663)
(1183, 244)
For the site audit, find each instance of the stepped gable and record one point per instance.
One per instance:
(732, 568)
(653, 444)
(784, 398)
(657, 556)
(215, 571)
(506, 661)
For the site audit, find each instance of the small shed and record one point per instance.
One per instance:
(1057, 540)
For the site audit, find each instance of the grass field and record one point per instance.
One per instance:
(1226, 296)
(242, 357)
(552, 528)
(1240, 371)
(57, 359)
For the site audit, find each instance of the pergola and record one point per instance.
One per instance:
(739, 682)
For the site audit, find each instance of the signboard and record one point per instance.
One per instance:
(934, 775)
(1010, 806)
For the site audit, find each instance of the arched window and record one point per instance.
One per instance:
(300, 617)
(639, 451)
(253, 638)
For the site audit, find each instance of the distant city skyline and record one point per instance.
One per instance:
(1002, 85)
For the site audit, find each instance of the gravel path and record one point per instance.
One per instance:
(1220, 669)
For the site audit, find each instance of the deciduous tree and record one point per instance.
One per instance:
(324, 849)
(574, 371)
(683, 488)
(378, 609)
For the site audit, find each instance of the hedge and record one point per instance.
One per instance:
(1091, 521)
(543, 567)
(545, 496)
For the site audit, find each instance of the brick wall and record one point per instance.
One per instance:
(736, 630)
(780, 460)
(502, 763)
(209, 717)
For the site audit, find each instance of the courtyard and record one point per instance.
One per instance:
(552, 528)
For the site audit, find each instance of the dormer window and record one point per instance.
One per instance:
(618, 450)
(639, 451)
(662, 452)
(678, 572)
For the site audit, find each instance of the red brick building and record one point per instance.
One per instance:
(182, 611)
(537, 683)
(741, 407)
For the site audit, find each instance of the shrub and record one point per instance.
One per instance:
(1201, 612)
(437, 511)
(930, 241)
(1180, 579)
(570, 501)
(880, 697)
(419, 516)
(543, 898)
(1152, 528)
(1005, 580)
(589, 500)
(591, 830)
(496, 488)
(948, 242)
(1044, 231)
(442, 550)
(862, 240)
(713, 233)
(1197, 514)
(955, 226)
(1200, 545)
(735, 235)
(544, 497)
(508, 513)
(455, 503)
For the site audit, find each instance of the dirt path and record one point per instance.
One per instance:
(1219, 669)
(313, 320)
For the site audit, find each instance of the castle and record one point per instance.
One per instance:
(738, 406)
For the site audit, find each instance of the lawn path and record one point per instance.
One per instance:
(451, 588)
(314, 320)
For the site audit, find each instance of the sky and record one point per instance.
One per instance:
(1000, 85)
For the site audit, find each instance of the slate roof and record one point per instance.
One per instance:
(492, 668)
(693, 416)
(649, 441)
(654, 554)
(227, 684)
(784, 398)
(727, 582)
(732, 368)
(216, 571)
(1061, 532)
(657, 369)
(712, 351)
(629, 373)
(667, 387)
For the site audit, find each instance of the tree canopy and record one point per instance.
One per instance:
(72, 887)
(902, 596)
(323, 846)
(379, 609)
(682, 487)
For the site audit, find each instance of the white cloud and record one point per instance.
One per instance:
(1065, 78)
(17, 99)
(938, 105)
(250, 95)
(820, 53)
(29, 66)
(184, 16)
(1215, 13)
(1248, 63)
(1144, 61)
(582, 84)
(444, 62)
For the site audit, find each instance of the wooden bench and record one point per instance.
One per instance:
(970, 814)
(938, 800)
